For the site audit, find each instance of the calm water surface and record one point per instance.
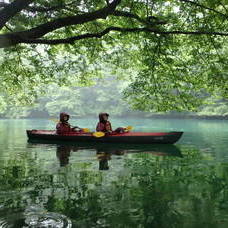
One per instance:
(72, 185)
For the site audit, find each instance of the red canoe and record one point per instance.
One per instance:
(130, 137)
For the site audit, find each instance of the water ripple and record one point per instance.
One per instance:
(35, 217)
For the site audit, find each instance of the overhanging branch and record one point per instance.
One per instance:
(71, 40)
(11, 10)
(11, 39)
(45, 28)
(139, 19)
(35, 34)
(129, 15)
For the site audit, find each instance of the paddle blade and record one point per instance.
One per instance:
(98, 134)
(54, 120)
(86, 129)
(129, 128)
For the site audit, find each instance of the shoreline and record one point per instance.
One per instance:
(152, 116)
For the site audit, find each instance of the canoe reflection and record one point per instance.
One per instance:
(105, 152)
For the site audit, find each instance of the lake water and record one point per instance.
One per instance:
(71, 185)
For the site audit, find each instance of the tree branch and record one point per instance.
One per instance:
(71, 40)
(11, 39)
(129, 15)
(224, 7)
(11, 10)
(134, 16)
(45, 28)
(35, 35)
(205, 7)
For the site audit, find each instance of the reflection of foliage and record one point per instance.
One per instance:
(150, 191)
(189, 188)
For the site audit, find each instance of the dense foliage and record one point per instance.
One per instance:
(174, 51)
(104, 96)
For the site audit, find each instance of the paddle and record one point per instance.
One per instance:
(128, 128)
(54, 120)
(84, 129)
(99, 134)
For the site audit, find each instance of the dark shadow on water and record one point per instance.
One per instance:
(63, 154)
(105, 151)
(103, 159)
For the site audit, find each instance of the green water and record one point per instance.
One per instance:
(70, 185)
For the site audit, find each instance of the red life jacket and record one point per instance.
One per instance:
(104, 126)
(63, 127)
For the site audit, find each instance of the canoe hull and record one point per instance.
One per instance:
(131, 137)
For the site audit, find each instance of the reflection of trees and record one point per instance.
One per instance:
(185, 187)
(214, 136)
(151, 191)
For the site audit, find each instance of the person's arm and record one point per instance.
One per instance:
(109, 127)
(100, 127)
(74, 127)
(69, 127)
(77, 129)
(57, 126)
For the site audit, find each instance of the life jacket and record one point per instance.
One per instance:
(103, 125)
(63, 127)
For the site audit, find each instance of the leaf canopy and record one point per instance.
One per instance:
(173, 52)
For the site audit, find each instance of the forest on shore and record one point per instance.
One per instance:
(104, 96)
